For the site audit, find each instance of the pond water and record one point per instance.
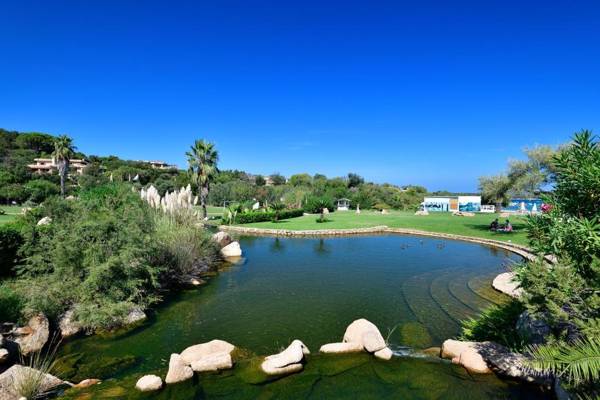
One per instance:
(416, 290)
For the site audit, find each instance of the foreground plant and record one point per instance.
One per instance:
(29, 381)
(578, 363)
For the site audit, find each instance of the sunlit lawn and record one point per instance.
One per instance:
(11, 213)
(477, 226)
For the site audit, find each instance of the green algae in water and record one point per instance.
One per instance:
(311, 289)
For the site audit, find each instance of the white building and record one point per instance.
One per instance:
(452, 203)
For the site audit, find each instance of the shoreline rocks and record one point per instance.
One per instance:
(9, 380)
(33, 336)
(233, 249)
(67, 326)
(506, 284)
(222, 238)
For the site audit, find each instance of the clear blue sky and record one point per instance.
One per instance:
(432, 93)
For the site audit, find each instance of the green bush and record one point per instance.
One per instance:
(11, 304)
(496, 323)
(103, 245)
(314, 204)
(10, 242)
(262, 216)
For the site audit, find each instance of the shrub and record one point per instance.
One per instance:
(11, 304)
(496, 323)
(41, 189)
(263, 216)
(314, 204)
(184, 250)
(10, 242)
(104, 244)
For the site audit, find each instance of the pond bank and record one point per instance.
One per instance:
(523, 251)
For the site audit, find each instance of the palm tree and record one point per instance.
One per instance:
(321, 205)
(202, 168)
(63, 151)
(277, 207)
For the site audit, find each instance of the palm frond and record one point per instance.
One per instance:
(578, 363)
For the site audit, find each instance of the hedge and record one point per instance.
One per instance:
(261, 216)
(10, 241)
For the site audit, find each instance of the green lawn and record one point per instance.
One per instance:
(11, 213)
(476, 226)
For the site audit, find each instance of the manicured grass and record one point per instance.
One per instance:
(11, 213)
(477, 226)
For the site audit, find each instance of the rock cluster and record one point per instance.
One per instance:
(210, 356)
(361, 335)
(230, 249)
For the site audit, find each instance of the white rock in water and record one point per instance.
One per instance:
(506, 284)
(213, 362)
(199, 351)
(366, 333)
(179, 371)
(149, 383)
(341, 348)
(286, 362)
(384, 354)
(233, 249)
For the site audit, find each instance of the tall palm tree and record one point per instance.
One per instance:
(63, 151)
(202, 168)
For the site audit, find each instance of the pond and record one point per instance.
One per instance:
(416, 290)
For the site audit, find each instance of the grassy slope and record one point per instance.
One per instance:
(11, 213)
(476, 226)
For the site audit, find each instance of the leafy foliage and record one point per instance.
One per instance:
(496, 323)
(578, 362)
(10, 242)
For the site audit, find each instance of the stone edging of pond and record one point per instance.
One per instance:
(515, 248)
(503, 282)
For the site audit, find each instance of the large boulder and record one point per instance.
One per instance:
(233, 249)
(506, 284)
(11, 378)
(213, 362)
(149, 383)
(222, 238)
(286, 362)
(67, 324)
(200, 351)
(33, 336)
(535, 331)
(466, 355)
(179, 370)
(366, 333)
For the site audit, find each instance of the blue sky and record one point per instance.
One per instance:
(431, 93)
